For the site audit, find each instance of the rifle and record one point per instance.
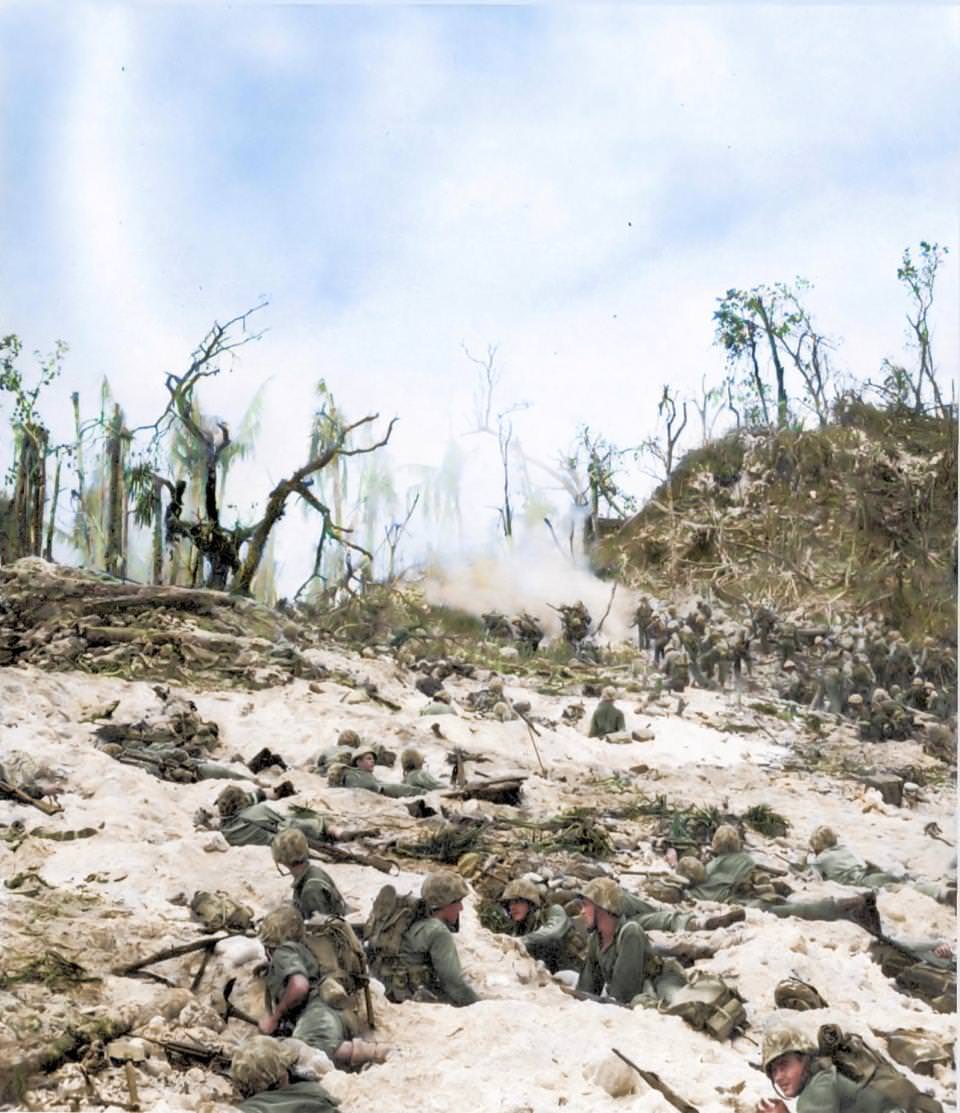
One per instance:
(15, 793)
(657, 1083)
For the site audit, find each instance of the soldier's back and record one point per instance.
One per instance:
(298, 1097)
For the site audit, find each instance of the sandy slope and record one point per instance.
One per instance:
(526, 1046)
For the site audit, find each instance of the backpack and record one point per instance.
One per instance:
(389, 919)
(705, 1002)
(337, 774)
(792, 993)
(853, 1058)
(343, 967)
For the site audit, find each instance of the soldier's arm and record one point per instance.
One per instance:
(321, 895)
(591, 976)
(821, 1094)
(447, 970)
(633, 947)
(556, 926)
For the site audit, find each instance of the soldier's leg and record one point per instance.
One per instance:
(322, 1027)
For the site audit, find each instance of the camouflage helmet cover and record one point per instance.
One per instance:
(259, 1064)
(691, 868)
(441, 888)
(608, 693)
(606, 894)
(348, 738)
(781, 1041)
(411, 759)
(362, 752)
(289, 846)
(522, 889)
(232, 800)
(822, 838)
(282, 925)
(496, 684)
(726, 840)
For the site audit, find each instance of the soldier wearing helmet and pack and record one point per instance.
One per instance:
(297, 992)
(792, 1062)
(260, 1070)
(314, 890)
(414, 774)
(837, 863)
(247, 821)
(410, 942)
(347, 741)
(544, 929)
(607, 718)
(734, 875)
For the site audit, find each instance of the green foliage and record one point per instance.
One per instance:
(764, 819)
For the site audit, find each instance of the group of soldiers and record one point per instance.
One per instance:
(852, 667)
(318, 965)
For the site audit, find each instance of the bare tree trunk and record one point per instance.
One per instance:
(158, 532)
(83, 523)
(113, 558)
(29, 492)
(52, 520)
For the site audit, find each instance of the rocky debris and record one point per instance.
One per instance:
(65, 618)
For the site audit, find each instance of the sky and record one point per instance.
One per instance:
(575, 185)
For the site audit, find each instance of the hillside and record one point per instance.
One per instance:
(859, 516)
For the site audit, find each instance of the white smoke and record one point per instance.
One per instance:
(531, 576)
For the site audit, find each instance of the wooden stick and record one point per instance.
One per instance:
(657, 1083)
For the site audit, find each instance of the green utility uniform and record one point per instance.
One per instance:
(298, 1097)
(545, 932)
(437, 707)
(828, 1091)
(622, 968)
(730, 879)
(256, 825)
(421, 779)
(316, 891)
(313, 1022)
(360, 778)
(172, 763)
(839, 864)
(606, 719)
(919, 971)
(652, 918)
(428, 960)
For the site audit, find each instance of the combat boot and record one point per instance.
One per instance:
(720, 920)
(862, 911)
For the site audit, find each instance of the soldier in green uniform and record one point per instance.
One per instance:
(426, 966)
(791, 1063)
(260, 1070)
(642, 617)
(837, 863)
(294, 990)
(245, 821)
(314, 890)
(346, 740)
(734, 875)
(619, 955)
(544, 929)
(360, 775)
(607, 718)
(414, 774)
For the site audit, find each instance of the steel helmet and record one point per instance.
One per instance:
(289, 847)
(522, 889)
(411, 759)
(781, 1041)
(348, 738)
(691, 868)
(232, 800)
(726, 839)
(822, 838)
(282, 925)
(442, 888)
(608, 694)
(259, 1063)
(605, 893)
